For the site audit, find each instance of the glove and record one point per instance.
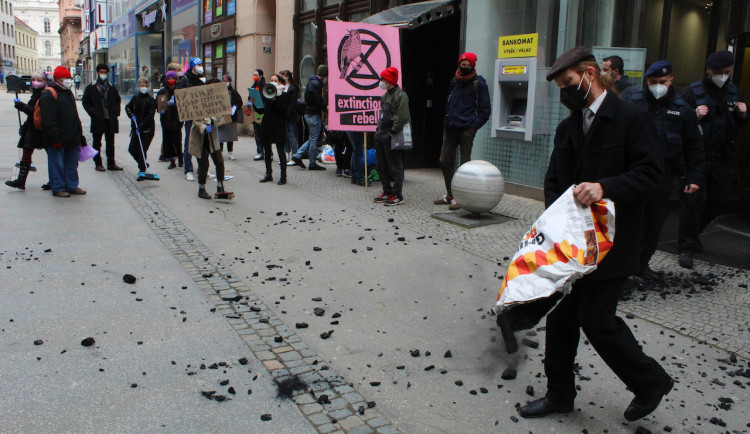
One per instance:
(135, 119)
(57, 145)
(249, 104)
(234, 109)
(20, 132)
(208, 128)
(16, 100)
(171, 101)
(162, 112)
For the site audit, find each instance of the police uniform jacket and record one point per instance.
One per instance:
(721, 123)
(677, 129)
(619, 152)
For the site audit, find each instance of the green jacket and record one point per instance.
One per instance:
(400, 105)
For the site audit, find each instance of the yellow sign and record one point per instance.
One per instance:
(634, 74)
(514, 70)
(517, 46)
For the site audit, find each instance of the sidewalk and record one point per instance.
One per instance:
(389, 282)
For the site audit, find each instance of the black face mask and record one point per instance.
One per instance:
(573, 97)
(464, 71)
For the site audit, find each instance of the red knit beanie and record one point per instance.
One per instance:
(61, 72)
(471, 57)
(390, 75)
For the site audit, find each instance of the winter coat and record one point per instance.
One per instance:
(274, 118)
(468, 104)
(197, 133)
(31, 138)
(144, 108)
(60, 122)
(190, 79)
(170, 120)
(236, 101)
(620, 153)
(94, 102)
(314, 102)
(399, 108)
(291, 112)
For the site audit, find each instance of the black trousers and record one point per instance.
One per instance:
(135, 148)
(268, 155)
(172, 143)
(591, 306)
(390, 168)
(203, 163)
(109, 138)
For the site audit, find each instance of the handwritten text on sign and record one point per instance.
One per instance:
(198, 102)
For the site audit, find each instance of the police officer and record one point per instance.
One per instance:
(682, 153)
(721, 112)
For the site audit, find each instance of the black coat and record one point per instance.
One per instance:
(292, 115)
(314, 102)
(31, 138)
(93, 102)
(144, 108)
(274, 118)
(189, 80)
(468, 104)
(235, 100)
(620, 153)
(170, 120)
(60, 122)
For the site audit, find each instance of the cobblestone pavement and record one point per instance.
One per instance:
(327, 401)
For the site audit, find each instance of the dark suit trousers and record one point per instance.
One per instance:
(591, 306)
(109, 138)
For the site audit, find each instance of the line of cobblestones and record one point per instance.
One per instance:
(329, 402)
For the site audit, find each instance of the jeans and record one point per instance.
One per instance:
(258, 143)
(315, 124)
(291, 137)
(188, 160)
(357, 169)
(62, 167)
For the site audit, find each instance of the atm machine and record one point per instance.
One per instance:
(513, 103)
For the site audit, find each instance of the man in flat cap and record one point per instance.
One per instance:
(720, 110)
(681, 149)
(606, 148)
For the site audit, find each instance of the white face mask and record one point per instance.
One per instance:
(658, 90)
(228, 84)
(383, 85)
(143, 90)
(103, 77)
(720, 79)
(199, 70)
(68, 83)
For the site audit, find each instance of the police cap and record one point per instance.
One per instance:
(720, 59)
(661, 68)
(568, 59)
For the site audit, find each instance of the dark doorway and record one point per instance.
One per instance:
(429, 56)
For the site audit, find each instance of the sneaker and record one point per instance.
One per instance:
(393, 201)
(258, 157)
(226, 178)
(291, 163)
(316, 167)
(189, 176)
(298, 162)
(454, 205)
(346, 173)
(211, 175)
(445, 200)
(232, 157)
(382, 197)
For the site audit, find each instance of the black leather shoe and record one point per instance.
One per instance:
(298, 161)
(642, 406)
(282, 181)
(647, 273)
(686, 259)
(114, 167)
(266, 178)
(542, 407)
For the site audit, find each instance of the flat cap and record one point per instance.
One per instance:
(568, 59)
(720, 59)
(660, 68)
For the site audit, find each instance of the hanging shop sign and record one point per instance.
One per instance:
(217, 31)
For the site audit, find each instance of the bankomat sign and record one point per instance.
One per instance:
(517, 46)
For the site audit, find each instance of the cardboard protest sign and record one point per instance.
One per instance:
(161, 102)
(198, 102)
(357, 54)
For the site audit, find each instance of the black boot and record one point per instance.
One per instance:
(266, 178)
(20, 182)
(282, 181)
(202, 193)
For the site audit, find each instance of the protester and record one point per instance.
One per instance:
(77, 81)
(228, 133)
(356, 165)
(166, 145)
(394, 114)
(258, 83)
(193, 77)
(141, 110)
(721, 112)
(274, 113)
(615, 67)
(342, 150)
(607, 148)
(101, 101)
(31, 138)
(315, 105)
(466, 111)
(62, 134)
(171, 126)
(204, 142)
(292, 116)
(681, 149)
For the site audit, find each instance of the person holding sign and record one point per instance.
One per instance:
(193, 77)
(394, 114)
(204, 142)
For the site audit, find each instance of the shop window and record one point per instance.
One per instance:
(219, 8)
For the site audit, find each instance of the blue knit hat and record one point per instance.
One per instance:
(194, 61)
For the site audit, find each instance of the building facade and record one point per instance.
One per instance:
(70, 32)
(27, 60)
(7, 38)
(43, 16)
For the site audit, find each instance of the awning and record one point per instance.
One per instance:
(415, 14)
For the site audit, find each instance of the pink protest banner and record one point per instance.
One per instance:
(357, 53)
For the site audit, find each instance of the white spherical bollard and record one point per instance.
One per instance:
(478, 186)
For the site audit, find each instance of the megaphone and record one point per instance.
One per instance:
(269, 92)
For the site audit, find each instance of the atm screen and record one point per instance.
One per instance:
(518, 107)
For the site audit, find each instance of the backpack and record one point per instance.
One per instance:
(38, 110)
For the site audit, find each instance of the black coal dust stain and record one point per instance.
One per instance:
(288, 386)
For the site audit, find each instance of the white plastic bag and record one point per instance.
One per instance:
(328, 156)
